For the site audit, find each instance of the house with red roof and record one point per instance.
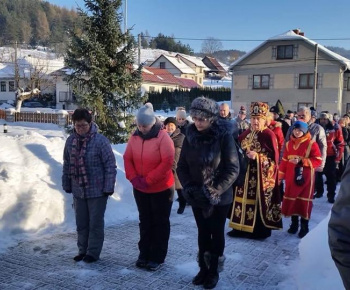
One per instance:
(156, 79)
(177, 67)
(215, 70)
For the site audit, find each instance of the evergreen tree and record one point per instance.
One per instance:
(103, 77)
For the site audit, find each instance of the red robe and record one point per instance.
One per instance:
(259, 197)
(297, 200)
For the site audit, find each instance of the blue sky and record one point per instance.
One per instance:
(238, 21)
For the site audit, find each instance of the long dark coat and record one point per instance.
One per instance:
(209, 157)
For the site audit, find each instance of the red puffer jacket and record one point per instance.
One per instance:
(152, 159)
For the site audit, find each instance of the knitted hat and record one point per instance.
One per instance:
(204, 108)
(170, 120)
(259, 109)
(145, 115)
(302, 126)
(181, 114)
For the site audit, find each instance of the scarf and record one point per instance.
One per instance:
(77, 168)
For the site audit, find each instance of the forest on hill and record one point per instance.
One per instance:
(35, 22)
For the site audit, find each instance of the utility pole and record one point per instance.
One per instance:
(139, 48)
(315, 77)
(125, 16)
(16, 69)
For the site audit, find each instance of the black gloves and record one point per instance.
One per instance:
(195, 196)
(298, 175)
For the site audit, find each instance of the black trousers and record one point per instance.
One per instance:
(154, 212)
(211, 231)
(331, 174)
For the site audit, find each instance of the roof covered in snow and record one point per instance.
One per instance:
(292, 35)
(178, 63)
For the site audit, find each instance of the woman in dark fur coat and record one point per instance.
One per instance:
(207, 168)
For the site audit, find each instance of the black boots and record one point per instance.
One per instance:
(207, 276)
(202, 274)
(294, 225)
(304, 228)
(213, 276)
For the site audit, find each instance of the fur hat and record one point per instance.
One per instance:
(181, 114)
(145, 115)
(324, 115)
(302, 126)
(259, 109)
(170, 120)
(204, 108)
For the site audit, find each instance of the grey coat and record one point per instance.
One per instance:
(339, 229)
(100, 165)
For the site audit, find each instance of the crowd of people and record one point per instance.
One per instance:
(196, 156)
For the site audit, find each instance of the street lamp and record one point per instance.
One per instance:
(5, 128)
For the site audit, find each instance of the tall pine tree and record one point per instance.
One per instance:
(102, 59)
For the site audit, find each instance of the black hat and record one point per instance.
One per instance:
(274, 109)
(170, 120)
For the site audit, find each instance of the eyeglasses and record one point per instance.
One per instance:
(82, 125)
(200, 120)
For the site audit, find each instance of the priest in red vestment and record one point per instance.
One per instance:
(300, 157)
(256, 206)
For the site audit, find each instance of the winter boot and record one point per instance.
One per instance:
(304, 228)
(294, 225)
(203, 270)
(213, 276)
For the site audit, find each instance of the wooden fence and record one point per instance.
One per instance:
(36, 117)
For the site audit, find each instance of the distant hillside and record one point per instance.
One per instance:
(225, 56)
(339, 50)
(35, 22)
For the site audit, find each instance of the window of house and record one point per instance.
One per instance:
(285, 52)
(11, 86)
(306, 81)
(261, 81)
(162, 64)
(3, 86)
(63, 96)
(152, 89)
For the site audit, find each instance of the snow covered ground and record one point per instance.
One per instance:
(33, 205)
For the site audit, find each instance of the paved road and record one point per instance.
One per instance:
(47, 263)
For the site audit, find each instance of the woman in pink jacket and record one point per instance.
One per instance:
(148, 161)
